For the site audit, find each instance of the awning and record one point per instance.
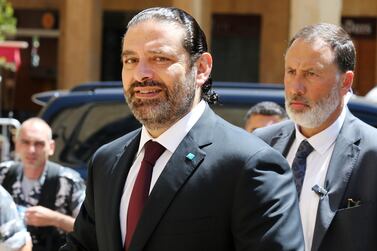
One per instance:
(10, 53)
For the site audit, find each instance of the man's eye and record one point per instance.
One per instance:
(161, 59)
(39, 144)
(130, 60)
(290, 71)
(24, 142)
(311, 74)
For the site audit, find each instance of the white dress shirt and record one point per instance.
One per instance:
(170, 139)
(317, 164)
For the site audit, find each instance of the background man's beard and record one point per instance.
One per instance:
(318, 113)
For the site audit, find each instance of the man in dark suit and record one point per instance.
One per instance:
(339, 190)
(214, 187)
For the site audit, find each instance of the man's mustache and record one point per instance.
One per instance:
(135, 84)
(146, 83)
(298, 98)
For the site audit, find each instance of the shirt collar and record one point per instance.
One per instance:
(322, 141)
(171, 138)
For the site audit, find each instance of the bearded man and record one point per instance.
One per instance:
(187, 180)
(332, 154)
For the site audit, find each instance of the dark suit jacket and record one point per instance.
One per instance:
(236, 194)
(352, 174)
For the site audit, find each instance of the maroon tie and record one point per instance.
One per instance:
(140, 191)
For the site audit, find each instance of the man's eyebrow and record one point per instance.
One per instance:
(127, 53)
(159, 51)
(163, 50)
(155, 51)
(303, 68)
(312, 68)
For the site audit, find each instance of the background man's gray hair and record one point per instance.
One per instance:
(336, 37)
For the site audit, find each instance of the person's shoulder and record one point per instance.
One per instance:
(357, 126)
(70, 174)
(66, 172)
(238, 140)
(7, 203)
(5, 166)
(361, 135)
(236, 144)
(224, 128)
(8, 164)
(365, 127)
(4, 195)
(267, 132)
(119, 143)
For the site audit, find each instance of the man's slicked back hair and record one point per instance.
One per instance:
(338, 40)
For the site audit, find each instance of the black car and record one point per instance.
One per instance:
(93, 114)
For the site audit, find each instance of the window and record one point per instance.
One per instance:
(80, 131)
(235, 47)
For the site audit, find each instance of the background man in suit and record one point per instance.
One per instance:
(215, 186)
(339, 191)
(48, 194)
(263, 114)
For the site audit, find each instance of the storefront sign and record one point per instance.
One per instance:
(364, 27)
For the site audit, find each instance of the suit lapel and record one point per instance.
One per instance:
(339, 171)
(175, 174)
(283, 141)
(119, 172)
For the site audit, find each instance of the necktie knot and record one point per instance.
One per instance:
(153, 151)
(304, 150)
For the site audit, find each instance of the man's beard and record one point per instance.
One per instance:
(318, 112)
(168, 108)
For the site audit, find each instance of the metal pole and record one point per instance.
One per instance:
(5, 123)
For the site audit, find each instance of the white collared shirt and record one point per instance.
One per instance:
(317, 164)
(170, 139)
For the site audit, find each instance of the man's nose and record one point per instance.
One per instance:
(143, 71)
(297, 84)
(31, 147)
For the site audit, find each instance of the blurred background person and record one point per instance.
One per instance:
(13, 234)
(263, 114)
(49, 194)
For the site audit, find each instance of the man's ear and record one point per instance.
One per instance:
(52, 147)
(203, 68)
(347, 82)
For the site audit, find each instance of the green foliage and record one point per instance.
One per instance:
(7, 66)
(7, 27)
(7, 20)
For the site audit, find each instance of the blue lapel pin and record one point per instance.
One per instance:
(190, 156)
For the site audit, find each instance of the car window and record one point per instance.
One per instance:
(62, 127)
(80, 131)
(233, 114)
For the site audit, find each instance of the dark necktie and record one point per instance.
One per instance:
(299, 164)
(140, 191)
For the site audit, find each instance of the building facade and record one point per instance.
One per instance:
(76, 41)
